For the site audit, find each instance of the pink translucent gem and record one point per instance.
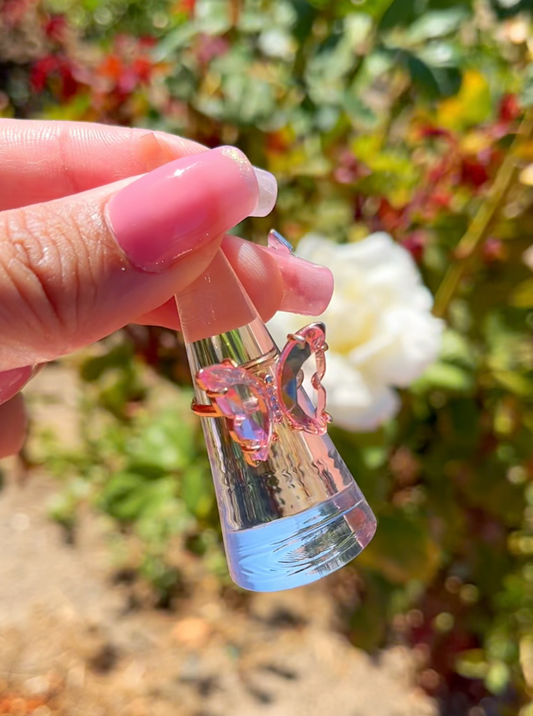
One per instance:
(243, 399)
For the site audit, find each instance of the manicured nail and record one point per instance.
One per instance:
(308, 286)
(278, 242)
(266, 183)
(12, 381)
(183, 205)
(268, 192)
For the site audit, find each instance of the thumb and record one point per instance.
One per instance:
(76, 269)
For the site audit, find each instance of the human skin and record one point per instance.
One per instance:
(101, 226)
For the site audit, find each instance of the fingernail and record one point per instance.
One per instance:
(308, 286)
(266, 183)
(183, 205)
(268, 192)
(12, 381)
(278, 242)
(154, 153)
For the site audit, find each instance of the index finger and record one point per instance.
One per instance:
(44, 160)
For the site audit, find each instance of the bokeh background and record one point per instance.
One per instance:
(411, 118)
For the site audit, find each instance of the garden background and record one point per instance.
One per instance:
(410, 117)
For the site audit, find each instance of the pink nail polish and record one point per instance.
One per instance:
(12, 381)
(183, 205)
(308, 286)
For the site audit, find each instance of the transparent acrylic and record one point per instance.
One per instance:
(296, 516)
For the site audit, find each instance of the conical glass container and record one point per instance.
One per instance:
(298, 515)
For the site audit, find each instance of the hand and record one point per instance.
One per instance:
(89, 241)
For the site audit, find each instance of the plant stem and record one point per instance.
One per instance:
(472, 241)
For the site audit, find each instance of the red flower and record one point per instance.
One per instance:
(124, 76)
(390, 217)
(41, 70)
(473, 172)
(55, 28)
(146, 42)
(55, 72)
(350, 168)
(432, 132)
(111, 68)
(415, 243)
(509, 109)
(442, 198)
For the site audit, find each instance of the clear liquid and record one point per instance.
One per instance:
(301, 548)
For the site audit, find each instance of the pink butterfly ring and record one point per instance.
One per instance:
(252, 400)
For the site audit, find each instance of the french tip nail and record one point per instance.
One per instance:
(268, 192)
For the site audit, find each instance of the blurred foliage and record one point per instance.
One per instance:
(409, 116)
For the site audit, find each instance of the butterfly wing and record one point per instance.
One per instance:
(242, 399)
(294, 403)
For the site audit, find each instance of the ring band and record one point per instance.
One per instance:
(204, 410)
(265, 359)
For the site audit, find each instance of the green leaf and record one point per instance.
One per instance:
(527, 88)
(497, 677)
(465, 418)
(441, 54)
(431, 74)
(402, 549)
(472, 664)
(306, 15)
(522, 296)
(374, 8)
(367, 626)
(196, 489)
(515, 382)
(150, 504)
(118, 357)
(437, 23)
(213, 16)
(457, 349)
(165, 441)
(422, 74)
(123, 496)
(445, 376)
(175, 40)
(401, 13)
(164, 515)
(358, 111)
(446, 4)
(487, 488)
(505, 9)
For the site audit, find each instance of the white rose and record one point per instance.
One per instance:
(379, 327)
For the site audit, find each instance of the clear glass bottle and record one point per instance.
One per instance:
(299, 515)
